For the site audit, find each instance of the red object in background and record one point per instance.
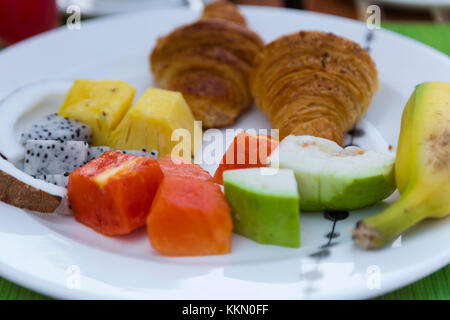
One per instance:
(20, 19)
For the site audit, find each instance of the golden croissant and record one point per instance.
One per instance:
(313, 83)
(209, 62)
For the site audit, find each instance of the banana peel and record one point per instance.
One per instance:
(422, 168)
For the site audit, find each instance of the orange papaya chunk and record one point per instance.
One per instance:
(113, 193)
(189, 217)
(174, 166)
(246, 151)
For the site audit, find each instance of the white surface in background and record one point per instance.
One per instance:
(414, 3)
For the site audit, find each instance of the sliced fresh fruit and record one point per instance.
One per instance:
(189, 217)
(264, 205)
(150, 123)
(113, 193)
(246, 151)
(142, 153)
(54, 157)
(99, 104)
(422, 167)
(335, 178)
(95, 152)
(54, 127)
(23, 191)
(173, 166)
(61, 180)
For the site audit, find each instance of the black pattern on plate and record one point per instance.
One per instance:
(370, 35)
(334, 216)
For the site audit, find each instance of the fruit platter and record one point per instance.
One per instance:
(218, 157)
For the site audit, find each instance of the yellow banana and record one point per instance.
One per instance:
(422, 167)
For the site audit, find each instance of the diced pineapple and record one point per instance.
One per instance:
(149, 124)
(99, 104)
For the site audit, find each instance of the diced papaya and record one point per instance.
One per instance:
(175, 166)
(189, 217)
(113, 193)
(246, 151)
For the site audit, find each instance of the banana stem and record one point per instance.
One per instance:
(374, 232)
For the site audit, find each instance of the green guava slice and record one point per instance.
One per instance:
(265, 205)
(330, 177)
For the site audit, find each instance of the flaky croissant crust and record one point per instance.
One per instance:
(224, 10)
(209, 61)
(313, 83)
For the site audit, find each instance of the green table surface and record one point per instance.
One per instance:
(435, 286)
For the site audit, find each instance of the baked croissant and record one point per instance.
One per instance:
(209, 62)
(313, 83)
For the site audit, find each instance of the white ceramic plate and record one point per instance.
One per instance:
(50, 254)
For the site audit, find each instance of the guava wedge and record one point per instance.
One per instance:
(330, 177)
(264, 205)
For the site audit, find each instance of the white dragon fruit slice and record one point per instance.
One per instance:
(54, 157)
(143, 153)
(54, 127)
(95, 152)
(61, 180)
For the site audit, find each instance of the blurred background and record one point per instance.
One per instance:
(20, 19)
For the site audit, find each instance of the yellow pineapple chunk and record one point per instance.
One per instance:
(99, 104)
(150, 123)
